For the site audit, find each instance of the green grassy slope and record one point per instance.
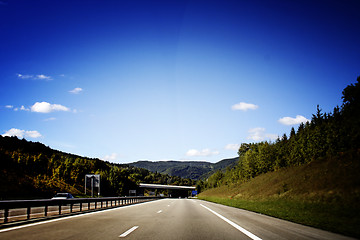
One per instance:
(324, 193)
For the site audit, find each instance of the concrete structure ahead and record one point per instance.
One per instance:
(174, 191)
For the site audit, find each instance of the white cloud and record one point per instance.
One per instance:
(43, 77)
(203, 153)
(32, 134)
(76, 90)
(22, 108)
(49, 119)
(112, 157)
(21, 133)
(271, 136)
(243, 106)
(293, 121)
(45, 107)
(9, 106)
(14, 132)
(259, 134)
(35, 77)
(256, 134)
(232, 146)
(24, 76)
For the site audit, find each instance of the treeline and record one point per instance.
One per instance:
(328, 134)
(29, 169)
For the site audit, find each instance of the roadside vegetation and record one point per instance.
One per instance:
(310, 177)
(33, 170)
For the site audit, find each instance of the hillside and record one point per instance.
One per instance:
(186, 169)
(324, 193)
(33, 170)
(330, 179)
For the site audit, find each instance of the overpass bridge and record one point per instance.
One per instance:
(173, 191)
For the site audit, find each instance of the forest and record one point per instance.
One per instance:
(33, 170)
(327, 135)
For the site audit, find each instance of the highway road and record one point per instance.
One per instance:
(167, 219)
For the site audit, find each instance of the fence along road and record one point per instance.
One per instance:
(167, 219)
(16, 210)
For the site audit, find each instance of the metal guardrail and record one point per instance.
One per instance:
(97, 203)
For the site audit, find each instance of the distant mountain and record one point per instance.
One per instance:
(222, 165)
(189, 169)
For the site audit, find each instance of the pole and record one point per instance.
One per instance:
(92, 187)
(85, 184)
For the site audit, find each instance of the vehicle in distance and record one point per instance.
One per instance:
(63, 196)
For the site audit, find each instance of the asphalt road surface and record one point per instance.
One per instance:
(167, 219)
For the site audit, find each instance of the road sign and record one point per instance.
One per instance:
(92, 180)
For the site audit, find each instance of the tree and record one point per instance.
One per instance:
(351, 95)
(318, 117)
(244, 147)
(351, 114)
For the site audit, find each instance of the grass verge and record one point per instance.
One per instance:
(335, 218)
(324, 193)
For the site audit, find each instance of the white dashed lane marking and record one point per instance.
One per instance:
(128, 231)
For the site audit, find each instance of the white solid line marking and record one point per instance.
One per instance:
(247, 233)
(129, 231)
(159, 211)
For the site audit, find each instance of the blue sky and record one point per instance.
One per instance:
(170, 80)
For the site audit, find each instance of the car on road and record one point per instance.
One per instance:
(63, 196)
